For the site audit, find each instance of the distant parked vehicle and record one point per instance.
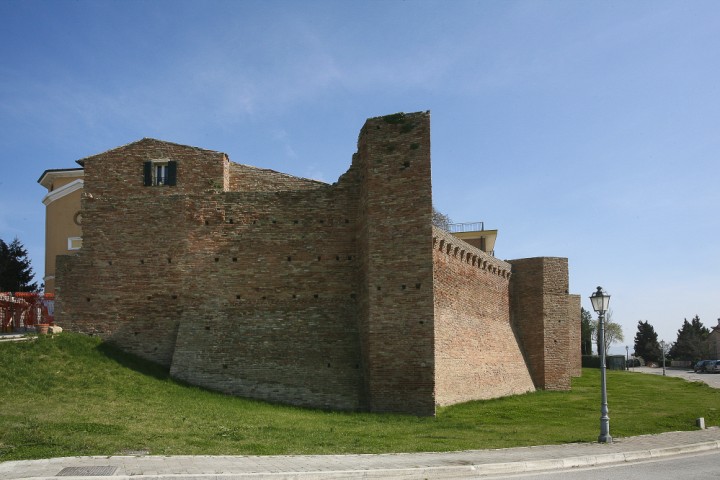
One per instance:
(713, 367)
(702, 365)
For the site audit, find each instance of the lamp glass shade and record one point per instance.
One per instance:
(600, 300)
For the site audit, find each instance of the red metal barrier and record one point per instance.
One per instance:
(25, 309)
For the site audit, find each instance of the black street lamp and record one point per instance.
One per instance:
(627, 357)
(600, 301)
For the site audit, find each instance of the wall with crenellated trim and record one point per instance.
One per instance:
(342, 296)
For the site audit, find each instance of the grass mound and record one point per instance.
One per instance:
(73, 395)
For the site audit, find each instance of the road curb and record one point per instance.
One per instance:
(445, 472)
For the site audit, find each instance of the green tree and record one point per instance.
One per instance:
(613, 331)
(586, 332)
(691, 343)
(646, 343)
(16, 274)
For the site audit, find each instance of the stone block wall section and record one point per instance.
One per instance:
(342, 296)
(540, 307)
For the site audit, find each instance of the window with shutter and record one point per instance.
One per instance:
(147, 173)
(171, 173)
(160, 172)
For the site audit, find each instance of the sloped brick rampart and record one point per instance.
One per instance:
(476, 353)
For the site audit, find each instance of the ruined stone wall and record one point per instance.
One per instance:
(126, 283)
(394, 241)
(245, 178)
(476, 353)
(539, 311)
(249, 292)
(270, 286)
(272, 298)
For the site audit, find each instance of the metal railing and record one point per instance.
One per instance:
(466, 227)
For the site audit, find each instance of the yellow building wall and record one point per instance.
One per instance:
(62, 220)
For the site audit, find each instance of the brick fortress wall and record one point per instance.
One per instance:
(260, 284)
(546, 319)
(394, 231)
(476, 355)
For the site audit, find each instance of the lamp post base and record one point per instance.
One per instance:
(604, 439)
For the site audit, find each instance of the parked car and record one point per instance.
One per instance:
(713, 367)
(702, 365)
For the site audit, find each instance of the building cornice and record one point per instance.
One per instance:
(59, 193)
(49, 176)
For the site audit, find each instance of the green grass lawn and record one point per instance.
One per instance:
(72, 395)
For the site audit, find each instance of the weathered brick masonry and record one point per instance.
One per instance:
(260, 284)
(476, 353)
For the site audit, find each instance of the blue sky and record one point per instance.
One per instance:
(579, 129)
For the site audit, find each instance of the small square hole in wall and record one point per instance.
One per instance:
(217, 259)
(234, 259)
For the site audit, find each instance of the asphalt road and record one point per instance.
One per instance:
(691, 467)
(712, 379)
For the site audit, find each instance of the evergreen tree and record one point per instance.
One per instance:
(646, 343)
(586, 332)
(691, 343)
(16, 274)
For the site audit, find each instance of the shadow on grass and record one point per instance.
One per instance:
(133, 362)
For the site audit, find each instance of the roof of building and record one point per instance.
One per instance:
(146, 140)
(51, 173)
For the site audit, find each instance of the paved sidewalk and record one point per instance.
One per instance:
(468, 464)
